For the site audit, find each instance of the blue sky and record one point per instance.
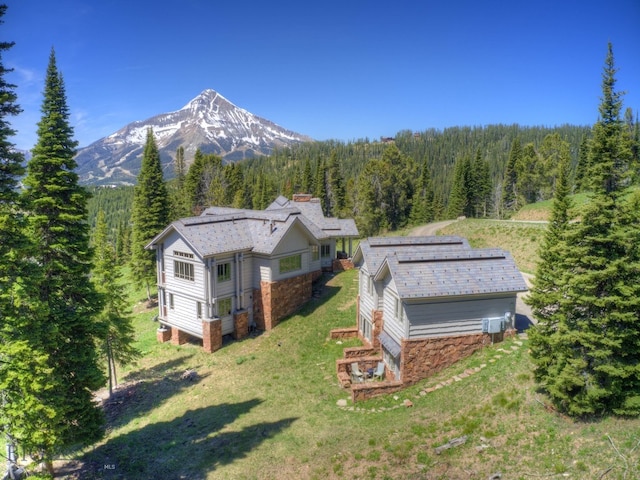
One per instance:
(340, 70)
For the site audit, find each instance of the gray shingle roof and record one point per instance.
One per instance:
(222, 230)
(450, 273)
(312, 210)
(374, 250)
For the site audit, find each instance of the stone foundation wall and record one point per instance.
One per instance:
(275, 300)
(163, 334)
(211, 335)
(422, 358)
(178, 337)
(241, 324)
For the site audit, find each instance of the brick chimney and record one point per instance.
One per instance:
(301, 197)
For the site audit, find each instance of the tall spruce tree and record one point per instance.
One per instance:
(179, 202)
(590, 352)
(459, 197)
(510, 182)
(422, 208)
(118, 343)
(25, 420)
(337, 193)
(57, 208)
(544, 297)
(150, 214)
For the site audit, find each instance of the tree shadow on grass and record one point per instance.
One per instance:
(188, 446)
(147, 388)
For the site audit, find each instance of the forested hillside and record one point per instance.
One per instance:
(416, 177)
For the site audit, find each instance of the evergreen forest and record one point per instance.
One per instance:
(417, 177)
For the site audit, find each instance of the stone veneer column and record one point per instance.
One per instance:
(378, 322)
(163, 334)
(241, 324)
(178, 337)
(211, 334)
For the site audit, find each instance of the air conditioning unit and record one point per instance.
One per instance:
(493, 325)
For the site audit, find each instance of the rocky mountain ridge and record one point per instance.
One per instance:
(209, 122)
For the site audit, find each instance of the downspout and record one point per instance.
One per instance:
(238, 269)
(207, 280)
(212, 287)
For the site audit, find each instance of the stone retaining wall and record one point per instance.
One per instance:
(424, 357)
(364, 391)
(342, 333)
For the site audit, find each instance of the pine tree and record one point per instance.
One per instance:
(459, 196)
(422, 207)
(307, 177)
(320, 183)
(583, 165)
(510, 182)
(336, 184)
(25, 420)
(179, 207)
(117, 344)
(150, 214)
(57, 208)
(589, 350)
(544, 297)
(480, 188)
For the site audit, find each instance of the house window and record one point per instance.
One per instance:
(171, 301)
(393, 363)
(315, 253)
(176, 253)
(290, 264)
(183, 270)
(397, 306)
(224, 272)
(369, 285)
(199, 309)
(325, 251)
(224, 307)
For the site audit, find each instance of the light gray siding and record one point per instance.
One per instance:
(455, 317)
(183, 315)
(393, 313)
(366, 298)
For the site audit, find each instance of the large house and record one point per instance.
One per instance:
(231, 269)
(426, 302)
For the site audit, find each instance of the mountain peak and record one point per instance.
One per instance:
(209, 122)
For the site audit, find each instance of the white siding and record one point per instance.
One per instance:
(455, 317)
(294, 240)
(183, 315)
(393, 325)
(227, 287)
(366, 298)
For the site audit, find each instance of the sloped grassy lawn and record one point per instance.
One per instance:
(266, 408)
(521, 239)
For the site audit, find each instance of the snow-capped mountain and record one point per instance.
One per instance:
(209, 122)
